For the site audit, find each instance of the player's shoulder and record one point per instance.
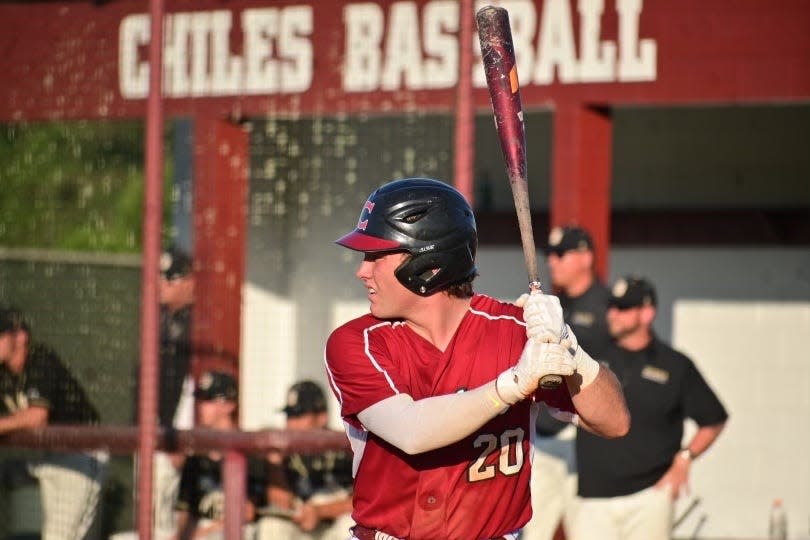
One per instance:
(668, 353)
(493, 308)
(599, 291)
(43, 362)
(362, 324)
(42, 354)
(681, 362)
(359, 330)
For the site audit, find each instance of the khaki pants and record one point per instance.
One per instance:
(166, 485)
(646, 515)
(70, 485)
(554, 486)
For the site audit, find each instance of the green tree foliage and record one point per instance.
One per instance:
(73, 185)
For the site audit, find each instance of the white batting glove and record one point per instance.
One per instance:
(537, 360)
(521, 300)
(544, 318)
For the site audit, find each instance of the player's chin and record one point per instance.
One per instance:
(379, 310)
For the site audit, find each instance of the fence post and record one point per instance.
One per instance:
(235, 480)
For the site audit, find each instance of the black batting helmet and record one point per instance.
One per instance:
(426, 218)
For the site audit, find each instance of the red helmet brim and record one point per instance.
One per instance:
(360, 241)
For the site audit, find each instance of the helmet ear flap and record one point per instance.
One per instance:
(419, 273)
(426, 273)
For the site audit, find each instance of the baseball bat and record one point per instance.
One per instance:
(500, 68)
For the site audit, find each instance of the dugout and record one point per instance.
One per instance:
(667, 128)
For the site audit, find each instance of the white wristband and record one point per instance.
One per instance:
(587, 367)
(507, 387)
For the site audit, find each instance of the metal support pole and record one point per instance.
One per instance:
(152, 224)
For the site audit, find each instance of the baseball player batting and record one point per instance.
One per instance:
(438, 385)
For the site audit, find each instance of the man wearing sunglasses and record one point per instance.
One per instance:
(628, 485)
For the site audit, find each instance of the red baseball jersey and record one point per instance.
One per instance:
(476, 488)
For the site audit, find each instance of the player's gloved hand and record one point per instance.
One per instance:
(544, 318)
(543, 314)
(537, 360)
(521, 300)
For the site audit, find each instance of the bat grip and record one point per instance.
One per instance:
(547, 382)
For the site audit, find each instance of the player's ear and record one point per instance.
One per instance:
(20, 336)
(648, 314)
(590, 260)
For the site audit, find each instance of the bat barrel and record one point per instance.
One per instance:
(500, 68)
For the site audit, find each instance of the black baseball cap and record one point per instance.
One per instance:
(568, 238)
(174, 263)
(304, 397)
(11, 319)
(216, 385)
(632, 291)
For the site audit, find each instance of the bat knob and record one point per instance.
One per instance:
(535, 286)
(549, 382)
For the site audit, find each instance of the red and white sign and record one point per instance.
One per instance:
(75, 59)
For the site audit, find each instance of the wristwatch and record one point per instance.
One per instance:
(686, 454)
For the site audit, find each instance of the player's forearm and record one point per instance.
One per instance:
(600, 405)
(427, 424)
(30, 418)
(704, 438)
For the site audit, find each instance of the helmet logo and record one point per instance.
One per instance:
(363, 223)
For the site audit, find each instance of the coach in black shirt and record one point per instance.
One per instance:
(628, 485)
